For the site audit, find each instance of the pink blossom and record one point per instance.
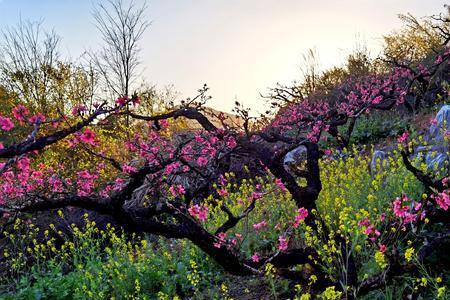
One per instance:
(417, 206)
(231, 142)
(260, 225)
(170, 169)
(282, 243)
(177, 190)
(105, 192)
(302, 214)
(222, 192)
(199, 212)
(382, 248)
(37, 118)
(121, 101)
(372, 233)
(164, 124)
(213, 140)
(20, 112)
(77, 109)
(202, 161)
(255, 196)
(221, 239)
(364, 222)
(402, 138)
(443, 200)
(154, 150)
(88, 136)
(6, 124)
(255, 257)
(85, 183)
(377, 100)
(24, 163)
(404, 212)
(118, 184)
(280, 184)
(199, 138)
(128, 169)
(72, 142)
(369, 230)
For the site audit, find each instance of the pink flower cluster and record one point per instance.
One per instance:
(371, 232)
(16, 182)
(77, 109)
(199, 212)
(280, 184)
(56, 184)
(126, 168)
(177, 190)
(282, 243)
(407, 212)
(255, 196)
(401, 139)
(255, 257)
(222, 192)
(121, 101)
(221, 239)
(85, 183)
(20, 113)
(302, 214)
(37, 118)
(443, 199)
(260, 225)
(88, 137)
(6, 124)
(202, 161)
(231, 142)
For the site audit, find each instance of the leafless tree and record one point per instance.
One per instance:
(121, 26)
(28, 54)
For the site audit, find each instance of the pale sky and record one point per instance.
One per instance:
(239, 48)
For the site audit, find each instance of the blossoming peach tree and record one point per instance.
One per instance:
(171, 186)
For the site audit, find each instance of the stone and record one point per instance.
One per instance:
(435, 154)
(376, 163)
(296, 156)
(441, 124)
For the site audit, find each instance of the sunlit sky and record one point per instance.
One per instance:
(239, 48)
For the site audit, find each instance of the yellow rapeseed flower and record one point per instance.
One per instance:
(409, 253)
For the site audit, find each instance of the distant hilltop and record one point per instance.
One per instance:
(218, 118)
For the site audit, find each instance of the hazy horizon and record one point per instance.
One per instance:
(190, 43)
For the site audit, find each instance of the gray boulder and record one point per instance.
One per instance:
(436, 131)
(294, 158)
(436, 153)
(376, 163)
